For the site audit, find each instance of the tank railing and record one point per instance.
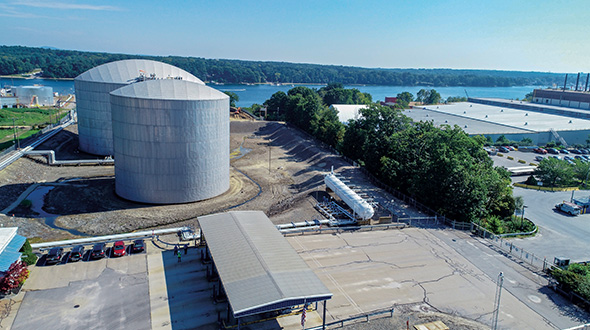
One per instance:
(52, 161)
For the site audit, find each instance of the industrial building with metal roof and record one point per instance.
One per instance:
(258, 269)
(495, 117)
(93, 100)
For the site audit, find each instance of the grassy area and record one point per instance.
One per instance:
(28, 116)
(30, 121)
(10, 138)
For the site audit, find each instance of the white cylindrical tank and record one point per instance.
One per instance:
(360, 207)
(171, 141)
(34, 95)
(93, 102)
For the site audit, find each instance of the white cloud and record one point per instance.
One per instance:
(64, 5)
(9, 11)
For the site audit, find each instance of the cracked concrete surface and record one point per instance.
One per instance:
(367, 271)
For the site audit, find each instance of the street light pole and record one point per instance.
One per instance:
(497, 301)
(522, 217)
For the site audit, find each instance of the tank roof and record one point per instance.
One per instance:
(129, 71)
(169, 89)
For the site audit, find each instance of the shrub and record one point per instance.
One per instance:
(572, 279)
(28, 256)
(510, 157)
(14, 277)
(26, 203)
(531, 181)
(500, 155)
(522, 161)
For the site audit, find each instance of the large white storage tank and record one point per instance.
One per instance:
(359, 206)
(93, 101)
(171, 141)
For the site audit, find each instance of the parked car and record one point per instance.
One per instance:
(503, 149)
(138, 246)
(539, 158)
(118, 249)
(77, 253)
(568, 158)
(553, 151)
(576, 151)
(540, 151)
(584, 151)
(579, 157)
(556, 157)
(569, 208)
(98, 251)
(54, 255)
(511, 148)
(564, 151)
(586, 157)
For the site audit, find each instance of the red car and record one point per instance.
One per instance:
(540, 151)
(119, 249)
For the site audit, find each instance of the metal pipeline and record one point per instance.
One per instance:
(52, 161)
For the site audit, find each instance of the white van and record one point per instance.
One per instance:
(569, 208)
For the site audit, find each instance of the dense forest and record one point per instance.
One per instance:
(443, 168)
(57, 63)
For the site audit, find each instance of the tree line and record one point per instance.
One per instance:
(57, 63)
(443, 168)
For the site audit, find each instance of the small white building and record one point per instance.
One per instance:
(347, 112)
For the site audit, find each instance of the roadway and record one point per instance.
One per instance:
(560, 235)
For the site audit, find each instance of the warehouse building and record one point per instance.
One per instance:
(171, 141)
(93, 100)
(563, 98)
(259, 271)
(514, 119)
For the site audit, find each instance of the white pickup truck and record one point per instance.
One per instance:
(569, 208)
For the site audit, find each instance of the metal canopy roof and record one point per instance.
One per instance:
(258, 268)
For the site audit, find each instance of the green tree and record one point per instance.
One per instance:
(422, 95)
(518, 203)
(274, 105)
(404, 99)
(233, 98)
(433, 97)
(554, 172)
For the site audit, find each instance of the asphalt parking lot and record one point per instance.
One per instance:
(560, 234)
(111, 293)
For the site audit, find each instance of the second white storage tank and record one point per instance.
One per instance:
(171, 141)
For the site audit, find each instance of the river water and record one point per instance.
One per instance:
(250, 94)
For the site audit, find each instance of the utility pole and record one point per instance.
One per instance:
(269, 148)
(14, 130)
(497, 301)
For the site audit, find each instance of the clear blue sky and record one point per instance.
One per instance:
(505, 35)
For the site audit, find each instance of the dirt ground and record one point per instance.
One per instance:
(83, 198)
